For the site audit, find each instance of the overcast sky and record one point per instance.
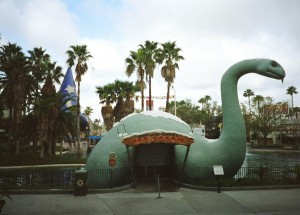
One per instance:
(213, 34)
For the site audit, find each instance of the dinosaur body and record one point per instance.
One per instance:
(229, 150)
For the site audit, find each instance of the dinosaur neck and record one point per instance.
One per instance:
(233, 121)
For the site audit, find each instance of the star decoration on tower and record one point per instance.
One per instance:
(70, 89)
(69, 104)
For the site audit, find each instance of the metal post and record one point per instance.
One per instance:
(131, 167)
(175, 100)
(219, 184)
(158, 186)
(184, 163)
(111, 178)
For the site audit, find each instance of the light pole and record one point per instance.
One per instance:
(174, 98)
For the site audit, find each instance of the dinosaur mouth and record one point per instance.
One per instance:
(275, 75)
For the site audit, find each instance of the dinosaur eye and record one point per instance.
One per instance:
(274, 63)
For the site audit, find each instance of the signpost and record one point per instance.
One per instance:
(218, 170)
(112, 163)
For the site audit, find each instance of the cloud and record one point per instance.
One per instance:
(213, 34)
(37, 23)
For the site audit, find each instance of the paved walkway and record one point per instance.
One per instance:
(144, 200)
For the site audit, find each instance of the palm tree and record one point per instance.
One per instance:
(248, 93)
(52, 118)
(258, 99)
(135, 62)
(129, 93)
(150, 53)
(202, 102)
(291, 91)
(88, 111)
(107, 97)
(119, 109)
(125, 91)
(54, 71)
(38, 63)
(46, 119)
(80, 54)
(41, 68)
(169, 55)
(14, 64)
(207, 98)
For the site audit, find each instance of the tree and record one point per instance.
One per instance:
(258, 99)
(206, 110)
(54, 71)
(186, 111)
(107, 97)
(129, 90)
(80, 54)
(125, 91)
(120, 92)
(169, 55)
(150, 54)
(202, 101)
(266, 118)
(291, 91)
(211, 117)
(53, 119)
(47, 116)
(135, 62)
(38, 63)
(15, 66)
(88, 111)
(248, 93)
(42, 70)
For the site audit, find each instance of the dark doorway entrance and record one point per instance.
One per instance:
(154, 159)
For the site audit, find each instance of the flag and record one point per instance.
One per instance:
(68, 88)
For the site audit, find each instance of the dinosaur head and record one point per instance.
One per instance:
(270, 68)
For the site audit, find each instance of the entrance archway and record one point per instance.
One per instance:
(154, 159)
(154, 151)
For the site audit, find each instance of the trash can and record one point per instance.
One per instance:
(80, 186)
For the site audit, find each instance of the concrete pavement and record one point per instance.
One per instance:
(145, 201)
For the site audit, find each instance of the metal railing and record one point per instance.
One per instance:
(62, 177)
(39, 178)
(246, 176)
(108, 178)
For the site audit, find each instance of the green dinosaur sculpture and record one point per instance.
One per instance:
(229, 150)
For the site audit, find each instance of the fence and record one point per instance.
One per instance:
(39, 178)
(246, 176)
(62, 177)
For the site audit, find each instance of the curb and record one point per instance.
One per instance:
(129, 186)
(195, 187)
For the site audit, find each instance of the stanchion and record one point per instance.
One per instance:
(158, 186)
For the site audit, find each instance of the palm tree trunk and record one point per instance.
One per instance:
(168, 96)
(17, 116)
(249, 104)
(78, 121)
(150, 96)
(42, 154)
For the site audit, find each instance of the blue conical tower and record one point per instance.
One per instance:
(68, 88)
